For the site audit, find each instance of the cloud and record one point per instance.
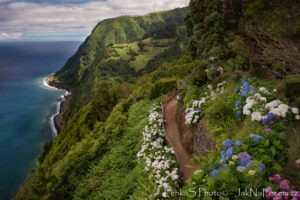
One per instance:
(26, 18)
(10, 36)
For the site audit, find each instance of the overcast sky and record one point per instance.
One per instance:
(68, 20)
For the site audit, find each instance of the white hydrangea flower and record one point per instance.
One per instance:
(295, 111)
(274, 104)
(256, 116)
(210, 86)
(263, 90)
(283, 108)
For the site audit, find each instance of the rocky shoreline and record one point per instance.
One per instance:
(57, 118)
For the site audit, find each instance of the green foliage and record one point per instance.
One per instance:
(165, 31)
(270, 150)
(102, 103)
(200, 76)
(281, 16)
(220, 115)
(292, 88)
(235, 64)
(117, 168)
(161, 87)
(211, 26)
(46, 147)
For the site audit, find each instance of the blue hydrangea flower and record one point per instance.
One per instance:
(283, 133)
(244, 159)
(224, 166)
(199, 109)
(256, 137)
(240, 168)
(265, 121)
(244, 83)
(271, 115)
(223, 155)
(227, 143)
(251, 89)
(238, 104)
(229, 152)
(214, 172)
(236, 89)
(244, 91)
(239, 112)
(238, 143)
(261, 167)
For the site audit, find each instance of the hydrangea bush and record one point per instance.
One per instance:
(158, 158)
(261, 105)
(244, 163)
(281, 189)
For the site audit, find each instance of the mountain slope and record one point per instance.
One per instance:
(122, 29)
(118, 50)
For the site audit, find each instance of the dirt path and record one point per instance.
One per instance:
(173, 134)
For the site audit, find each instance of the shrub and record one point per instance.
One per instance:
(219, 113)
(292, 88)
(162, 86)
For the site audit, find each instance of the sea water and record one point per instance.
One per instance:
(26, 106)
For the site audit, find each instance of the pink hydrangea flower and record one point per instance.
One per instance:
(268, 192)
(284, 185)
(277, 197)
(295, 194)
(285, 195)
(298, 161)
(276, 177)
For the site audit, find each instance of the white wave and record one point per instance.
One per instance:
(58, 105)
(52, 120)
(46, 84)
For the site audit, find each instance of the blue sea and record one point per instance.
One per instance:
(26, 106)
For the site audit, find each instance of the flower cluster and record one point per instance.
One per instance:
(284, 193)
(219, 90)
(194, 108)
(258, 107)
(228, 158)
(193, 111)
(159, 159)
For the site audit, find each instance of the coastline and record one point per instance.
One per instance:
(54, 120)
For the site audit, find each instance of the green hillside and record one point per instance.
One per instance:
(118, 49)
(118, 30)
(158, 115)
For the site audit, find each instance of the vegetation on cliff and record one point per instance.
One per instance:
(239, 77)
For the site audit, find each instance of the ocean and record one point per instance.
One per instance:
(26, 106)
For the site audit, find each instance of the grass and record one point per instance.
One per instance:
(151, 49)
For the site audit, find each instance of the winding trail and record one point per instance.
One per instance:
(173, 134)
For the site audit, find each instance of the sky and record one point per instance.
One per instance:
(68, 20)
